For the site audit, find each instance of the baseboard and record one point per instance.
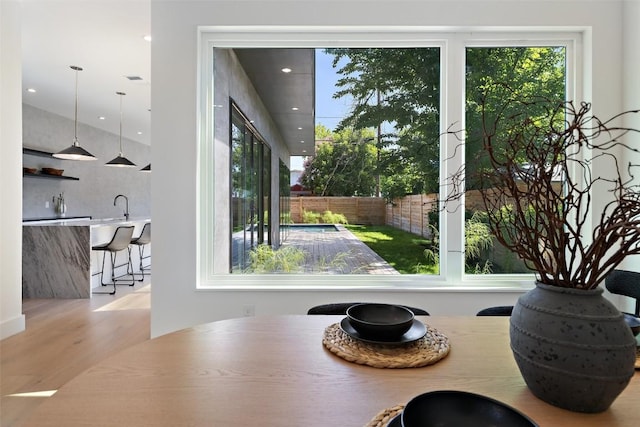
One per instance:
(12, 326)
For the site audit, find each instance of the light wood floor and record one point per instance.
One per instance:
(62, 339)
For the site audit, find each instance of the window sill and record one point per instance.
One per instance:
(403, 283)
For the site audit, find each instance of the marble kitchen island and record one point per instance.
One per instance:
(57, 260)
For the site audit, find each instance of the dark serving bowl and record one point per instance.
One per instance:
(385, 321)
(633, 322)
(460, 409)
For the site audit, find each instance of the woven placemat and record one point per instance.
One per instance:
(383, 417)
(637, 357)
(425, 351)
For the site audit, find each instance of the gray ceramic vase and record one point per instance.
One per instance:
(573, 347)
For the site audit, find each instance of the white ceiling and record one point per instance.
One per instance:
(105, 38)
(281, 92)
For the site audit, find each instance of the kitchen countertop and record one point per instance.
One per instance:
(85, 221)
(56, 218)
(58, 260)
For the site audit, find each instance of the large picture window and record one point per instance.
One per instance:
(495, 78)
(450, 71)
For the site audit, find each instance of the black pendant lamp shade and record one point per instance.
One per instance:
(120, 160)
(75, 152)
(146, 168)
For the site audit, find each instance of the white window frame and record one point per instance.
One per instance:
(452, 44)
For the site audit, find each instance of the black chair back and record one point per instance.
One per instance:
(627, 283)
(340, 308)
(499, 310)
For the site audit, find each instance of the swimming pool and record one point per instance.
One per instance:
(313, 228)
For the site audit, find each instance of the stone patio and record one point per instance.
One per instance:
(337, 252)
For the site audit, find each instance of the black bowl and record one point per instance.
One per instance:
(633, 322)
(385, 321)
(460, 409)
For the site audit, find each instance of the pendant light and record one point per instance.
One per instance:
(120, 160)
(75, 152)
(146, 168)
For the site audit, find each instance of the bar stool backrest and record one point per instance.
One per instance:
(145, 235)
(121, 238)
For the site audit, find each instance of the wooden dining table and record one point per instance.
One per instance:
(275, 371)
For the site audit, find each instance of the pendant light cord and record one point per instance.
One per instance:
(121, 95)
(75, 130)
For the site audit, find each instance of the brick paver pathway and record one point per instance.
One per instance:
(338, 252)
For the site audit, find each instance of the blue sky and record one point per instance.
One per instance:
(329, 111)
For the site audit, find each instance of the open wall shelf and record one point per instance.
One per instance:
(34, 152)
(45, 176)
(40, 153)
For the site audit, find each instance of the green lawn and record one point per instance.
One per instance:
(404, 251)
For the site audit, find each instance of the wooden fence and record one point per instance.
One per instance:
(411, 213)
(358, 210)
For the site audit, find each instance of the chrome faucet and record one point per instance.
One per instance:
(126, 212)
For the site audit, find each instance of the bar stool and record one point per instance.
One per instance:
(141, 241)
(119, 242)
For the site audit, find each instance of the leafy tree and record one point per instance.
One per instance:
(497, 76)
(397, 88)
(400, 88)
(344, 165)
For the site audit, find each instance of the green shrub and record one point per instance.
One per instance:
(264, 259)
(285, 218)
(329, 217)
(432, 252)
(477, 238)
(337, 264)
(310, 217)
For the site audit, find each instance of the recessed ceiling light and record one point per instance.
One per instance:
(301, 142)
(286, 70)
(139, 133)
(31, 90)
(299, 128)
(295, 108)
(304, 151)
(147, 38)
(101, 117)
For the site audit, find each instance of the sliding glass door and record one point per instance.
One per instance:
(250, 191)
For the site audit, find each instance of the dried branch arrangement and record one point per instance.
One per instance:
(537, 184)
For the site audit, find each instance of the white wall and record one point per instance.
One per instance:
(631, 101)
(11, 318)
(175, 301)
(98, 184)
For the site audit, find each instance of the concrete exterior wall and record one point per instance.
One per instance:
(232, 83)
(93, 194)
